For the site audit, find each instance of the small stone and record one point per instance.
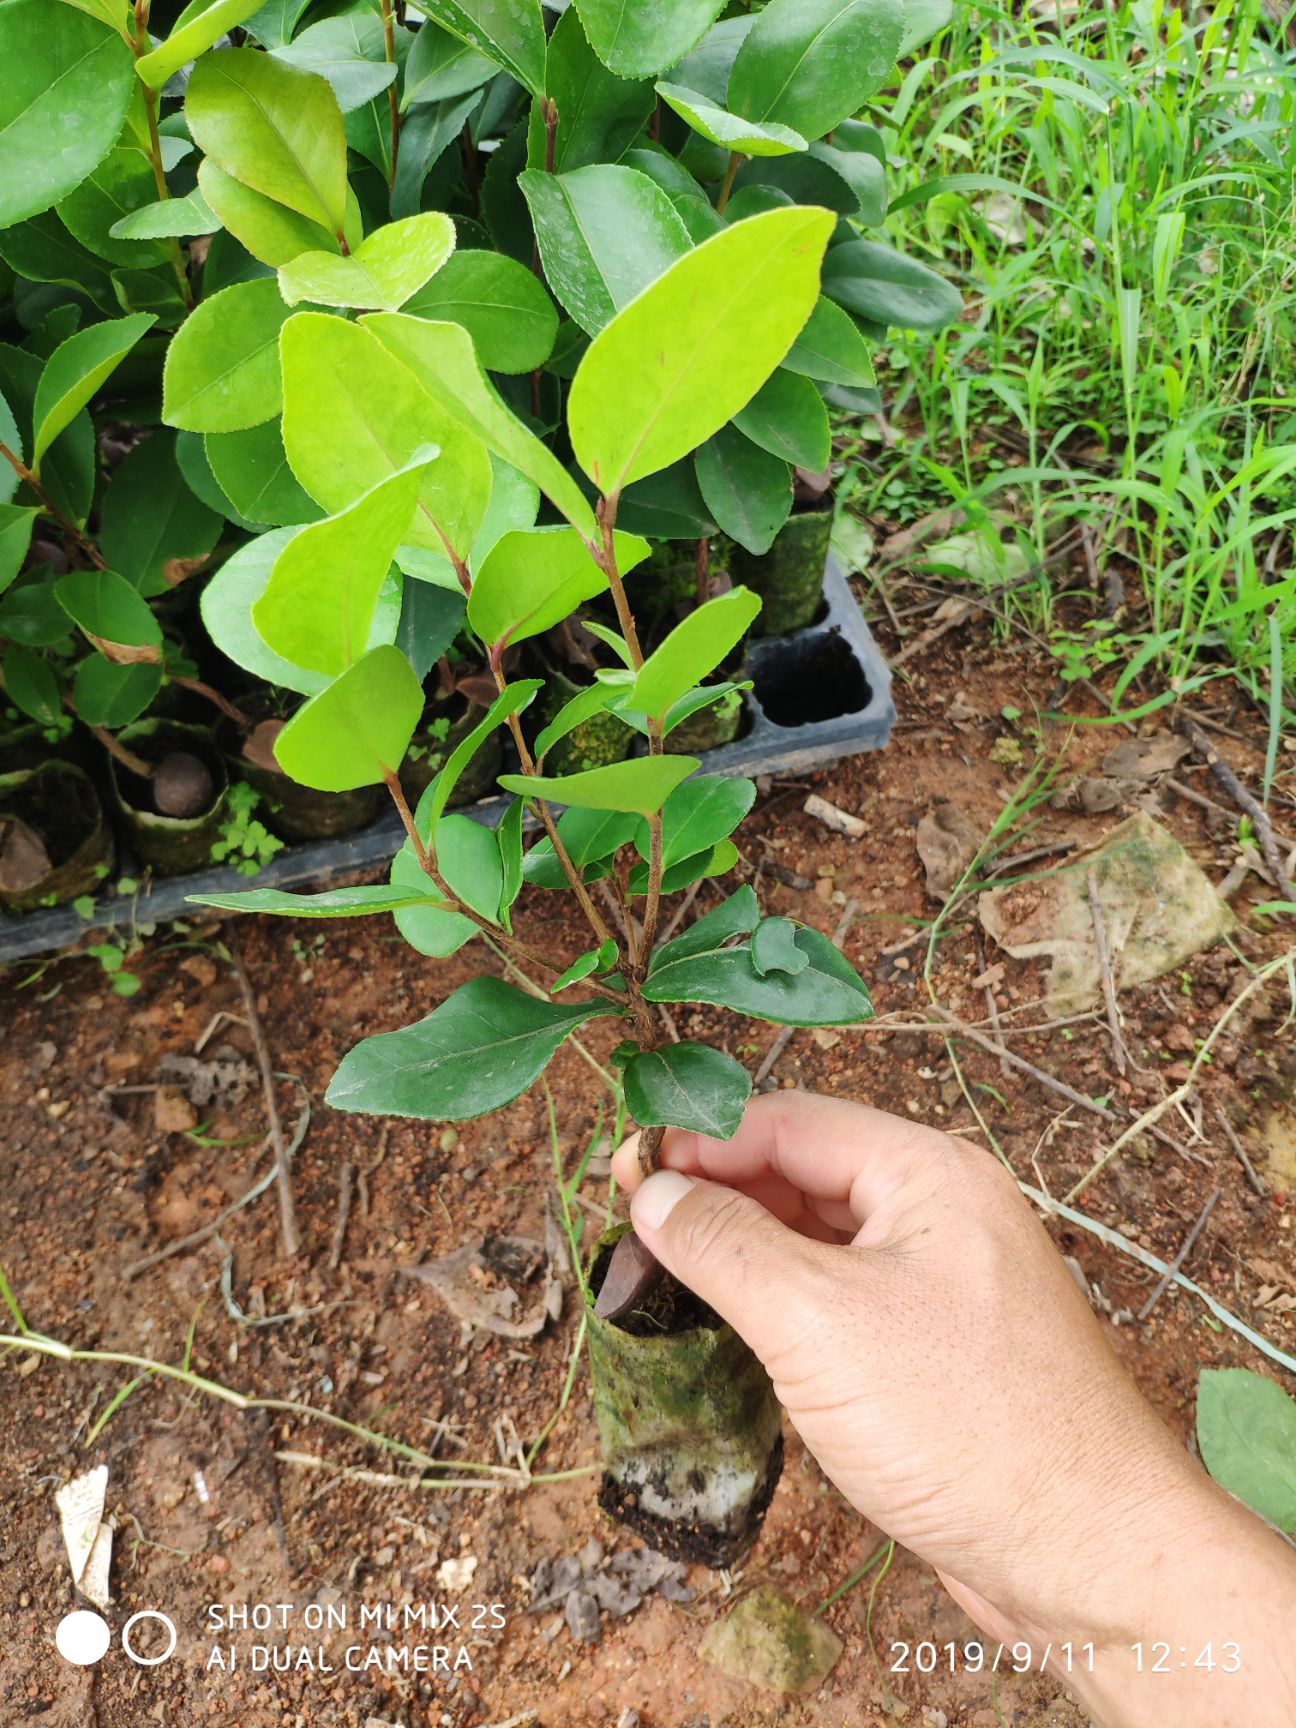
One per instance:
(770, 1643)
(449, 1139)
(824, 888)
(1180, 1039)
(172, 1111)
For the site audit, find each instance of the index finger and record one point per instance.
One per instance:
(829, 1149)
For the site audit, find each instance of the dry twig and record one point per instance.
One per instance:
(1175, 1265)
(283, 1165)
(1236, 1143)
(346, 1187)
(1245, 801)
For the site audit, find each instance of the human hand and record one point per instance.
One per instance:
(940, 1362)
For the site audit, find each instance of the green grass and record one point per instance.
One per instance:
(1114, 191)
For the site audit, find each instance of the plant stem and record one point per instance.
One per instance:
(606, 555)
(226, 707)
(69, 527)
(735, 161)
(389, 54)
(140, 47)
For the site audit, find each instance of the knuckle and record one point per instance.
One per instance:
(719, 1226)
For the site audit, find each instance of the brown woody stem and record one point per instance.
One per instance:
(69, 527)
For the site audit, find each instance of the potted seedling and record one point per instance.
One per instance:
(688, 1420)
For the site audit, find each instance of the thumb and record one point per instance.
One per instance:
(767, 1281)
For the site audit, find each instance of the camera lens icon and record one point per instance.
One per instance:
(83, 1637)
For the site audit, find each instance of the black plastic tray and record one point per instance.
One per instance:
(794, 678)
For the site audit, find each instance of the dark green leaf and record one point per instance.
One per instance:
(737, 916)
(707, 68)
(828, 992)
(430, 620)
(30, 684)
(747, 489)
(105, 694)
(774, 948)
(730, 131)
(508, 837)
(811, 63)
(430, 928)
(877, 283)
(595, 960)
(703, 810)
(121, 185)
(30, 614)
(599, 114)
(251, 468)
(441, 66)
(865, 176)
(717, 860)
(509, 32)
(498, 301)
(640, 38)
(16, 521)
(690, 1086)
(590, 838)
(787, 417)
(831, 349)
(152, 527)
(331, 903)
(348, 52)
(475, 1053)
(108, 609)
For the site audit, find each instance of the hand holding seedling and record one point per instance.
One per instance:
(939, 1360)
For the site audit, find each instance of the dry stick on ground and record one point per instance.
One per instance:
(283, 1165)
(1236, 1143)
(1245, 801)
(992, 1007)
(346, 1187)
(1175, 1265)
(1105, 972)
(784, 1038)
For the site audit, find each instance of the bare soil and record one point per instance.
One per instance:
(212, 1504)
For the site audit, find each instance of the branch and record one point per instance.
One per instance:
(1245, 801)
(140, 46)
(283, 1162)
(69, 527)
(389, 54)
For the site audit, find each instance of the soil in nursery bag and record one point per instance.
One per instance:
(175, 815)
(690, 1428)
(54, 843)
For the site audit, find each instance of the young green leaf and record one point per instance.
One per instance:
(787, 417)
(828, 992)
(511, 700)
(356, 731)
(251, 468)
(811, 63)
(431, 927)
(730, 131)
(354, 416)
(877, 283)
(681, 360)
(273, 128)
(384, 271)
(1246, 1432)
(67, 83)
(441, 358)
(222, 368)
(598, 959)
(361, 902)
(643, 38)
(687, 1085)
(642, 784)
(75, 371)
(110, 612)
(831, 349)
(317, 610)
(499, 302)
(194, 31)
(694, 647)
(509, 32)
(478, 1051)
(534, 578)
(599, 114)
(605, 233)
(774, 948)
(468, 856)
(270, 231)
(747, 490)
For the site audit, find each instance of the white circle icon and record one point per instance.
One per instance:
(83, 1638)
(148, 1614)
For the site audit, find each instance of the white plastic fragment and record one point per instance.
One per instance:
(80, 1505)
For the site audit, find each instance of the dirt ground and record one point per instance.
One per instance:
(214, 1506)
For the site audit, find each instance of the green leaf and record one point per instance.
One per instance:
(697, 814)
(275, 21)
(642, 784)
(640, 38)
(694, 647)
(354, 415)
(441, 66)
(222, 368)
(428, 131)
(30, 684)
(730, 131)
(923, 18)
(695, 701)
(709, 67)
(119, 186)
(468, 856)
(829, 992)
(510, 701)
(475, 1053)
(811, 63)
(331, 903)
(680, 361)
(273, 128)
(441, 358)
(505, 310)
(714, 861)
(67, 83)
(747, 490)
(42, 250)
(590, 838)
(598, 959)
(251, 468)
(318, 607)
(877, 283)
(357, 730)
(508, 837)
(787, 417)
(384, 271)
(30, 614)
(227, 603)
(269, 231)
(509, 32)
(737, 916)
(428, 927)
(593, 699)
(76, 369)
(832, 350)
(1246, 1433)
(774, 948)
(599, 114)
(105, 694)
(194, 31)
(430, 619)
(605, 233)
(348, 52)
(687, 1085)
(109, 611)
(696, 212)
(166, 218)
(151, 526)
(536, 577)
(863, 173)
(16, 521)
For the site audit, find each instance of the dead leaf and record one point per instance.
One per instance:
(1145, 758)
(23, 859)
(258, 746)
(948, 839)
(456, 1278)
(178, 570)
(221, 1078)
(127, 653)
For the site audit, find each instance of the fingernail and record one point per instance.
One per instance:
(659, 1197)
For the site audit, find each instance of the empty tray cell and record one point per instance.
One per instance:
(810, 678)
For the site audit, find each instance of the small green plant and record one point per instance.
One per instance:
(244, 842)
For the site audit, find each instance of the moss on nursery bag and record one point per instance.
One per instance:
(170, 843)
(790, 576)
